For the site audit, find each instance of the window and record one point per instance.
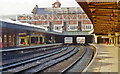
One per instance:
(73, 27)
(41, 39)
(22, 40)
(10, 38)
(90, 27)
(58, 27)
(5, 38)
(86, 27)
(34, 40)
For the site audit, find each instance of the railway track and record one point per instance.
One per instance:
(81, 63)
(76, 63)
(70, 62)
(63, 60)
(22, 62)
(17, 56)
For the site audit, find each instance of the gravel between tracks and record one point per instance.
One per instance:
(38, 62)
(82, 64)
(5, 62)
(60, 66)
(83, 52)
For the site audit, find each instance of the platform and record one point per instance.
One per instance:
(29, 47)
(106, 59)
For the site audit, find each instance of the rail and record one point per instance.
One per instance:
(83, 53)
(30, 60)
(41, 63)
(81, 63)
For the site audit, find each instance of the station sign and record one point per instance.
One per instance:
(22, 34)
(81, 40)
(104, 37)
(68, 40)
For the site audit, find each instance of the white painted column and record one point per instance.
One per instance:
(96, 39)
(52, 38)
(109, 35)
(17, 40)
(116, 40)
(117, 36)
(111, 40)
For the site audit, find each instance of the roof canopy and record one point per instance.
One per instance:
(104, 16)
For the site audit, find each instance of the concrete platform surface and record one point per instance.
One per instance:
(106, 59)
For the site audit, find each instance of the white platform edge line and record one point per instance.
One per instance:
(95, 54)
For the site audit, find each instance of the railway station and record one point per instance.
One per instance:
(62, 39)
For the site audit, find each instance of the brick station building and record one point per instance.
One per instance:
(58, 19)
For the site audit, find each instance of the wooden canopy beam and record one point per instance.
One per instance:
(104, 16)
(85, 7)
(103, 8)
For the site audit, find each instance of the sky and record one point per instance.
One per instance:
(15, 7)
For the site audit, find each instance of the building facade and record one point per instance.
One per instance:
(58, 19)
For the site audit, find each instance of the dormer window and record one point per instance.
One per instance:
(57, 4)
